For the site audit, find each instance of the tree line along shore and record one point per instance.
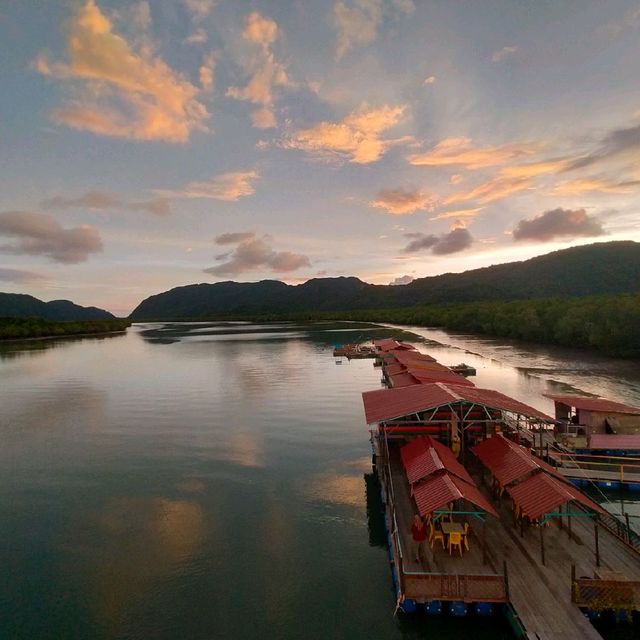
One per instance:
(608, 323)
(24, 328)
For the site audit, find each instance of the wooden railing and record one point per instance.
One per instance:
(623, 468)
(425, 587)
(621, 529)
(597, 594)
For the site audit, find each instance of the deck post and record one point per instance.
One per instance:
(541, 527)
(626, 517)
(568, 523)
(484, 541)
(597, 540)
(506, 579)
(560, 517)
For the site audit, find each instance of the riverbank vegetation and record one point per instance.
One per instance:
(24, 328)
(610, 324)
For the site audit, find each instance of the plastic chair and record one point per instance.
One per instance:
(455, 540)
(434, 535)
(465, 536)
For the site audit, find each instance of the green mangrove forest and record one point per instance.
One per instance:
(24, 328)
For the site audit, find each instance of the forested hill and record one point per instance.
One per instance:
(602, 268)
(18, 305)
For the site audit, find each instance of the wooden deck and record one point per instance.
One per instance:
(541, 595)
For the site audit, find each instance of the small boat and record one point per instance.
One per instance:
(463, 369)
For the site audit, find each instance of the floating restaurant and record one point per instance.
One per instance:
(505, 530)
(597, 441)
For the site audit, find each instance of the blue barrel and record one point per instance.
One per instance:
(408, 606)
(433, 608)
(458, 609)
(483, 608)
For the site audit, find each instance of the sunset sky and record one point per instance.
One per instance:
(150, 144)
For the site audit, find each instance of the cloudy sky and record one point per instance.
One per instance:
(154, 143)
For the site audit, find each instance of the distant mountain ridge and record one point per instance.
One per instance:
(20, 305)
(602, 268)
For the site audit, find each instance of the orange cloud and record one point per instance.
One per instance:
(356, 138)
(227, 186)
(585, 185)
(495, 189)
(460, 151)
(121, 92)
(402, 201)
(206, 72)
(534, 169)
(458, 213)
(265, 72)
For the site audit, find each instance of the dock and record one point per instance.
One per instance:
(533, 545)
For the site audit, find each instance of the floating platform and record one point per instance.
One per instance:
(542, 601)
(535, 547)
(354, 352)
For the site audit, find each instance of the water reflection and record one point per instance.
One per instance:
(204, 489)
(68, 404)
(340, 489)
(18, 349)
(126, 550)
(375, 511)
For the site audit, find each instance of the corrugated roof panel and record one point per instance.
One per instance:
(387, 404)
(412, 356)
(589, 403)
(508, 461)
(429, 377)
(443, 489)
(541, 494)
(402, 379)
(425, 456)
(420, 460)
(617, 442)
(496, 400)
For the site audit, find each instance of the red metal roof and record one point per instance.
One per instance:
(402, 379)
(406, 357)
(542, 494)
(589, 403)
(425, 456)
(389, 404)
(610, 441)
(508, 461)
(443, 489)
(426, 377)
(389, 344)
(392, 369)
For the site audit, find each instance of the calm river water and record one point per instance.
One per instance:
(211, 481)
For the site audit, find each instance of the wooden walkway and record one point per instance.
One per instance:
(597, 475)
(541, 595)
